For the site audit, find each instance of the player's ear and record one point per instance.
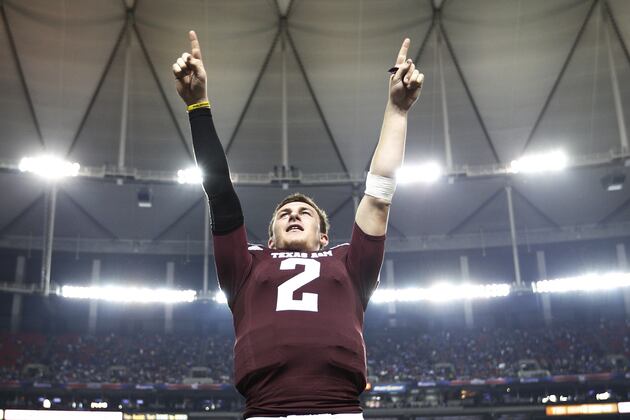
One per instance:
(323, 240)
(270, 243)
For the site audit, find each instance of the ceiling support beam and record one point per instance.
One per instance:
(161, 90)
(4, 229)
(458, 242)
(124, 106)
(467, 88)
(617, 210)
(315, 100)
(515, 259)
(99, 85)
(536, 208)
(252, 92)
(50, 206)
(279, 9)
(426, 37)
(475, 212)
(108, 174)
(92, 219)
(285, 104)
(185, 214)
(181, 217)
(448, 150)
(563, 69)
(20, 72)
(621, 120)
(340, 207)
(425, 40)
(613, 23)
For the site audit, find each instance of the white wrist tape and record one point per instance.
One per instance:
(380, 187)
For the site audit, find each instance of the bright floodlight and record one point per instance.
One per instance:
(220, 297)
(48, 166)
(128, 294)
(191, 175)
(441, 292)
(603, 396)
(427, 172)
(591, 282)
(552, 161)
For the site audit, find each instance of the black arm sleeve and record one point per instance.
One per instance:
(225, 208)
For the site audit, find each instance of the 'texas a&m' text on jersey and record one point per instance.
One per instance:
(298, 320)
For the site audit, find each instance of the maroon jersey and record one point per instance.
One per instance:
(298, 319)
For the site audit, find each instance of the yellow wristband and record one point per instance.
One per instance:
(204, 104)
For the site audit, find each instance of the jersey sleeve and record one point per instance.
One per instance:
(233, 260)
(364, 260)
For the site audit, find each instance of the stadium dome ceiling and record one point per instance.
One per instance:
(84, 78)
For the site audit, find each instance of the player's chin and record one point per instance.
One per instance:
(295, 244)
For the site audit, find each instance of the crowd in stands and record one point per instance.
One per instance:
(144, 358)
(393, 355)
(493, 353)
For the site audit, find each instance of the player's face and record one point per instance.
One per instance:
(296, 228)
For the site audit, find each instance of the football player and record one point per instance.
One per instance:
(298, 307)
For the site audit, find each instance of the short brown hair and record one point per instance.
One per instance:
(323, 218)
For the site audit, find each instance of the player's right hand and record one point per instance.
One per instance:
(190, 75)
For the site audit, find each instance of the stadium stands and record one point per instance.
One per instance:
(394, 355)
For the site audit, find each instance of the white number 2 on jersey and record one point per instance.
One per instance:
(286, 289)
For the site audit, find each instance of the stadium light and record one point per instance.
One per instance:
(219, 297)
(591, 282)
(544, 162)
(603, 396)
(122, 294)
(192, 175)
(428, 172)
(49, 167)
(441, 292)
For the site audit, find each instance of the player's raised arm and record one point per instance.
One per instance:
(404, 90)
(190, 81)
(230, 241)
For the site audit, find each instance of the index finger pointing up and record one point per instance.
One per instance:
(194, 45)
(402, 54)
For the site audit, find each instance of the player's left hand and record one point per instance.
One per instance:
(406, 83)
